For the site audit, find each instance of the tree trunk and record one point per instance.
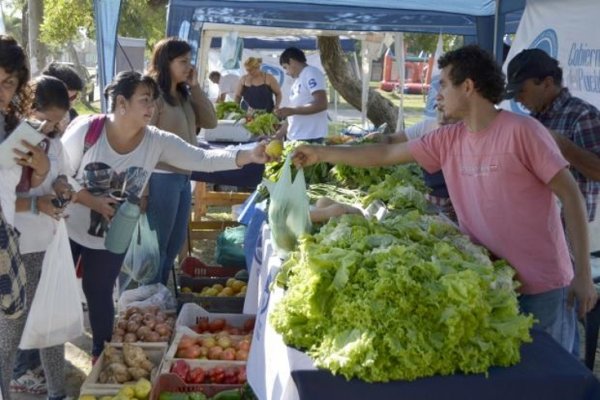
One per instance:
(24, 26)
(84, 97)
(379, 109)
(37, 50)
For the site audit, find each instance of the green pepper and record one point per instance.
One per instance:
(232, 394)
(197, 396)
(173, 396)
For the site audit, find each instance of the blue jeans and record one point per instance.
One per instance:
(169, 204)
(26, 359)
(554, 316)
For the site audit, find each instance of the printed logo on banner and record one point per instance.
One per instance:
(547, 41)
(276, 72)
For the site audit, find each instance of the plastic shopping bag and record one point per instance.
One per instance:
(288, 209)
(143, 256)
(146, 296)
(56, 315)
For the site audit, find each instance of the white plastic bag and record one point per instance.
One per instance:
(149, 295)
(288, 209)
(143, 256)
(56, 315)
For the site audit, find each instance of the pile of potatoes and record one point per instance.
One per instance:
(143, 325)
(131, 364)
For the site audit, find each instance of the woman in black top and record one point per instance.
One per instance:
(256, 89)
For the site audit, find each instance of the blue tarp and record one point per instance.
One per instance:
(475, 19)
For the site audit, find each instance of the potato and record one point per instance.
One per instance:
(138, 373)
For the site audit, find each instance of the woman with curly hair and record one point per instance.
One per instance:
(15, 101)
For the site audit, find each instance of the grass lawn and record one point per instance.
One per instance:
(414, 105)
(83, 109)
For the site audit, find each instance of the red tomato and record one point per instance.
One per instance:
(216, 325)
(185, 342)
(202, 325)
(249, 324)
(217, 375)
(181, 369)
(196, 375)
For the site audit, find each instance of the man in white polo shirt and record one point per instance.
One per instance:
(307, 113)
(227, 84)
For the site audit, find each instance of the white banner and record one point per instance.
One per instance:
(570, 32)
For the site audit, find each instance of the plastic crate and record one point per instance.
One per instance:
(233, 305)
(190, 314)
(170, 355)
(154, 351)
(172, 383)
(198, 283)
(194, 268)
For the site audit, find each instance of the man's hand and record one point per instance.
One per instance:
(305, 155)
(585, 293)
(283, 112)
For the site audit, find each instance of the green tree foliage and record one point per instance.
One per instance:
(63, 20)
(417, 42)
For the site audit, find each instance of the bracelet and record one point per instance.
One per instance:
(33, 205)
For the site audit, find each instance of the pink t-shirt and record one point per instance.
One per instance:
(497, 179)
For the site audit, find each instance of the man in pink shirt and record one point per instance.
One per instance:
(503, 172)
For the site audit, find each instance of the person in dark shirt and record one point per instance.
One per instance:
(257, 89)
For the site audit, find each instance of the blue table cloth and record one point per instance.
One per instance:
(249, 176)
(546, 371)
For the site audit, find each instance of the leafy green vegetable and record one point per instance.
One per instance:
(398, 299)
(263, 124)
(228, 107)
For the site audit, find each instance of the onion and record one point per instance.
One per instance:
(162, 329)
(132, 310)
(117, 339)
(152, 337)
(130, 337)
(119, 331)
(142, 332)
(133, 326)
(122, 323)
(137, 317)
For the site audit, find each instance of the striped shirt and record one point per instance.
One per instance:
(579, 121)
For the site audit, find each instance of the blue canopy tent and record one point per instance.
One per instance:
(480, 21)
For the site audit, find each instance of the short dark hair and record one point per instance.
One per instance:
(164, 52)
(65, 73)
(49, 92)
(125, 84)
(292, 53)
(474, 63)
(214, 74)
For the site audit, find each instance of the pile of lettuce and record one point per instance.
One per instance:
(400, 299)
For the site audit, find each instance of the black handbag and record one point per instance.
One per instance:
(12, 272)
